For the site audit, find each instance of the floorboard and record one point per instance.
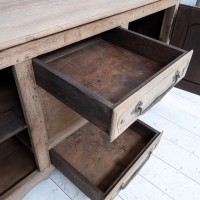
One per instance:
(171, 131)
(166, 178)
(46, 190)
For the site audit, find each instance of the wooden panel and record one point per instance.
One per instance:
(11, 123)
(49, 18)
(16, 163)
(37, 47)
(186, 36)
(99, 165)
(57, 115)
(60, 120)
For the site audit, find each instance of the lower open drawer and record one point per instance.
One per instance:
(100, 168)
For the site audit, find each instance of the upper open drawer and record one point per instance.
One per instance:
(112, 79)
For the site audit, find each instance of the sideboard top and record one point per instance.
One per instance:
(26, 20)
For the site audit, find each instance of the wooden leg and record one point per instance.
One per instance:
(167, 23)
(27, 88)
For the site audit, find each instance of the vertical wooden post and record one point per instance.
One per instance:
(168, 19)
(27, 88)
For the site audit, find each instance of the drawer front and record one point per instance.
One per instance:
(132, 172)
(129, 110)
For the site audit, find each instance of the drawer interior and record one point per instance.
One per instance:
(87, 153)
(113, 64)
(16, 162)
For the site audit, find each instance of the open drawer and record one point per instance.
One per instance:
(100, 168)
(112, 79)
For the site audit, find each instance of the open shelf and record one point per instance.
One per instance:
(16, 162)
(11, 115)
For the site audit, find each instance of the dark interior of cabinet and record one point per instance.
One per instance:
(149, 25)
(16, 161)
(11, 115)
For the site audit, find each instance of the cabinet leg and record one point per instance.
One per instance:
(27, 89)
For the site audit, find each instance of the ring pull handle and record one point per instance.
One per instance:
(139, 109)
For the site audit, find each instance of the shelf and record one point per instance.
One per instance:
(16, 163)
(11, 115)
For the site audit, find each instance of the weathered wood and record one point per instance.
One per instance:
(16, 163)
(99, 165)
(169, 16)
(50, 17)
(60, 120)
(124, 114)
(27, 89)
(73, 94)
(140, 44)
(18, 191)
(37, 47)
(89, 87)
(71, 128)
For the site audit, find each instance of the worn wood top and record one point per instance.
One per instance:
(26, 20)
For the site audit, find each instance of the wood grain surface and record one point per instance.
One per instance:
(25, 20)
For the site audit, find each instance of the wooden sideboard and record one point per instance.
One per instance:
(31, 28)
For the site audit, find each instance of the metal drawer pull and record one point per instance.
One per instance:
(138, 108)
(123, 186)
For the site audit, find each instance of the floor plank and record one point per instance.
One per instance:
(181, 118)
(141, 189)
(174, 133)
(67, 186)
(170, 180)
(178, 158)
(187, 95)
(46, 190)
(183, 104)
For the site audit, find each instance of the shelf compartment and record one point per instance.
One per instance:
(16, 163)
(112, 79)
(11, 115)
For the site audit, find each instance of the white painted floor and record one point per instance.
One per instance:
(172, 172)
